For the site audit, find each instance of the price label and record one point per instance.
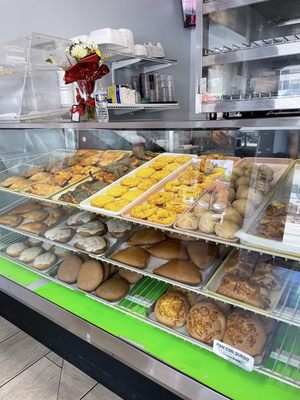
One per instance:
(235, 356)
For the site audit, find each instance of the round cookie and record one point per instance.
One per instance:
(92, 228)
(80, 218)
(92, 244)
(60, 235)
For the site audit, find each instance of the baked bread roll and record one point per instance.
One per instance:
(179, 236)
(24, 208)
(130, 276)
(69, 269)
(246, 332)
(34, 242)
(33, 227)
(244, 207)
(171, 309)
(243, 290)
(92, 228)
(55, 215)
(90, 275)
(36, 215)
(169, 249)
(60, 235)
(117, 228)
(47, 246)
(28, 255)
(206, 322)
(226, 229)
(113, 289)
(232, 215)
(106, 271)
(61, 252)
(15, 249)
(180, 270)
(188, 221)
(44, 261)
(135, 256)
(202, 254)
(207, 222)
(92, 244)
(11, 220)
(80, 218)
(146, 236)
(191, 297)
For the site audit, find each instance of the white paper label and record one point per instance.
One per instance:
(233, 355)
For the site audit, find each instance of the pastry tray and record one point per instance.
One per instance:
(155, 262)
(183, 334)
(280, 165)
(215, 281)
(86, 204)
(52, 274)
(160, 188)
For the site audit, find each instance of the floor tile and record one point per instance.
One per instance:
(17, 353)
(38, 382)
(74, 383)
(7, 329)
(100, 392)
(55, 358)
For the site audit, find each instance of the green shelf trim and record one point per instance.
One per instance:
(17, 273)
(195, 362)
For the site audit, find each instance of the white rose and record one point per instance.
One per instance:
(79, 52)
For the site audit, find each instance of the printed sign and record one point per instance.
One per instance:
(233, 355)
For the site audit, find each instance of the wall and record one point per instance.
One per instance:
(150, 20)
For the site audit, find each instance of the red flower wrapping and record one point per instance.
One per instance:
(85, 72)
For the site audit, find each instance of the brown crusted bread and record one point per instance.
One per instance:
(11, 220)
(191, 297)
(206, 322)
(33, 227)
(180, 270)
(179, 236)
(90, 275)
(28, 255)
(113, 289)
(134, 256)
(168, 250)
(171, 309)
(36, 215)
(246, 332)
(24, 208)
(106, 271)
(69, 269)
(130, 276)
(15, 249)
(202, 254)
(243, 290)
(146, 236)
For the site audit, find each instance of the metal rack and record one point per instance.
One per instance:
(210, 6)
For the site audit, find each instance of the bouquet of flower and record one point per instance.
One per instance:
(83, 64)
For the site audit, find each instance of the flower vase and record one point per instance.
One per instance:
(85, 98)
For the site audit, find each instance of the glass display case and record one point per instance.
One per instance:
(30, 87)
(250, 58)
(187, 214)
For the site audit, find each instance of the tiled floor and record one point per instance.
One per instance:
(30, 371)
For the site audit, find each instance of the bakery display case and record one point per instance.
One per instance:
(250, 58)
(144, 237)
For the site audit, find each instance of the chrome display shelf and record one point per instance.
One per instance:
(275, 122)
(256, 50)
(262, 101)
(151, 107)
(210, 6)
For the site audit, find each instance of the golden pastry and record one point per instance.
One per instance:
(158, 165)
(160, 198)
(166, 159)
(159, 175)
(172, 167)
(146, 184)
(172, 186)
(131, 181)
(182, 159)
(143, 211)
(132, 194)
(116, 205)
(39, 176)
(117, 191)
(21, 183)
(102, 200)
(145, 172)
(176, 205)
(163, 216)
(43, 189)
